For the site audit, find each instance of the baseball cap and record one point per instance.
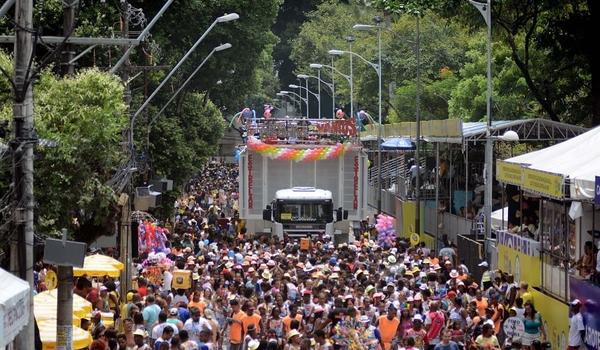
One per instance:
(140, 332)
(483, 264)
(173, 311)
(575, 302)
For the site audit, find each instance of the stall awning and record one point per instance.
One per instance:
(545, 171)
(14, 306)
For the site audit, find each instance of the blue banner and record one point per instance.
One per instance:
(589, 294)
(597, 191)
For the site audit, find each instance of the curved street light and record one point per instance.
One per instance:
(216, 49)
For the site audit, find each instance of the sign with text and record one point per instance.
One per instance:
(511, 173)
(589, 294)
(521, 244)
(543, 183)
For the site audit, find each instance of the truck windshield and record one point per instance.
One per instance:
(304, 212)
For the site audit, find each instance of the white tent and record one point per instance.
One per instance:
(14, 306)
(577, 158)
(497, 218)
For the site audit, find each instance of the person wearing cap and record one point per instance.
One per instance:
(368, 334)
(576, 326)
(173, 318)
(294, 341)
(139, 338)
(417, 332)
(388, 326)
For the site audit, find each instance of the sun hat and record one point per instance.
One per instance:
(453, 274)
(266, 275)
(391, 259)
(253, 344)
(292, 334)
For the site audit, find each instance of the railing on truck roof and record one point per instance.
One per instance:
(303, 131)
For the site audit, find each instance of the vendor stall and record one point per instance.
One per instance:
(14, 306)
(98, 265)
(81, 338)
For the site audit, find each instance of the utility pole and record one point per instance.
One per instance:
(64, 311)
(23, 159)
(125, 199)
(418, 136)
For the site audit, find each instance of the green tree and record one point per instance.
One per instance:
(549, 44)
(327, 28)
(85, 115)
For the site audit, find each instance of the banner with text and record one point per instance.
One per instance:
(524, 245)
(543, 183)
(511, 173)
(589, 294)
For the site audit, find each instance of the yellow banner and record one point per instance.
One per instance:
(543, 183)
(511, 173)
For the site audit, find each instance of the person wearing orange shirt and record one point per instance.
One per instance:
(388, 327)
(498, 315)
(287, 320)
(481, 303)
(196, 302)
(251, 318)
(236, 325)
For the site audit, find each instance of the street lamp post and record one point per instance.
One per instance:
(335, 70)
(293, 86)
(486, 11)
(305, 77)
(350, 40)
(377, 67)
(318, 95)
(332, 84)
(216, 49)
(285, 92)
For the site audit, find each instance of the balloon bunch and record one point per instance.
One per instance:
(297, 154)
(386, 236)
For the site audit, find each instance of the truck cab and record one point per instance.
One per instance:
(302, 211)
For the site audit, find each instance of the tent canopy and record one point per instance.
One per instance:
(99, 265)
(81, 338)
(46, 303)
(14, 306)
(576, 158)
(398, 144)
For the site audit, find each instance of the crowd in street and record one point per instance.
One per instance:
(249, 292)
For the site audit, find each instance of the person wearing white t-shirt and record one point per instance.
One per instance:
(576, 327)
(167, 279)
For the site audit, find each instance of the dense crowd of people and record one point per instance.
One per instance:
(248, 292)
